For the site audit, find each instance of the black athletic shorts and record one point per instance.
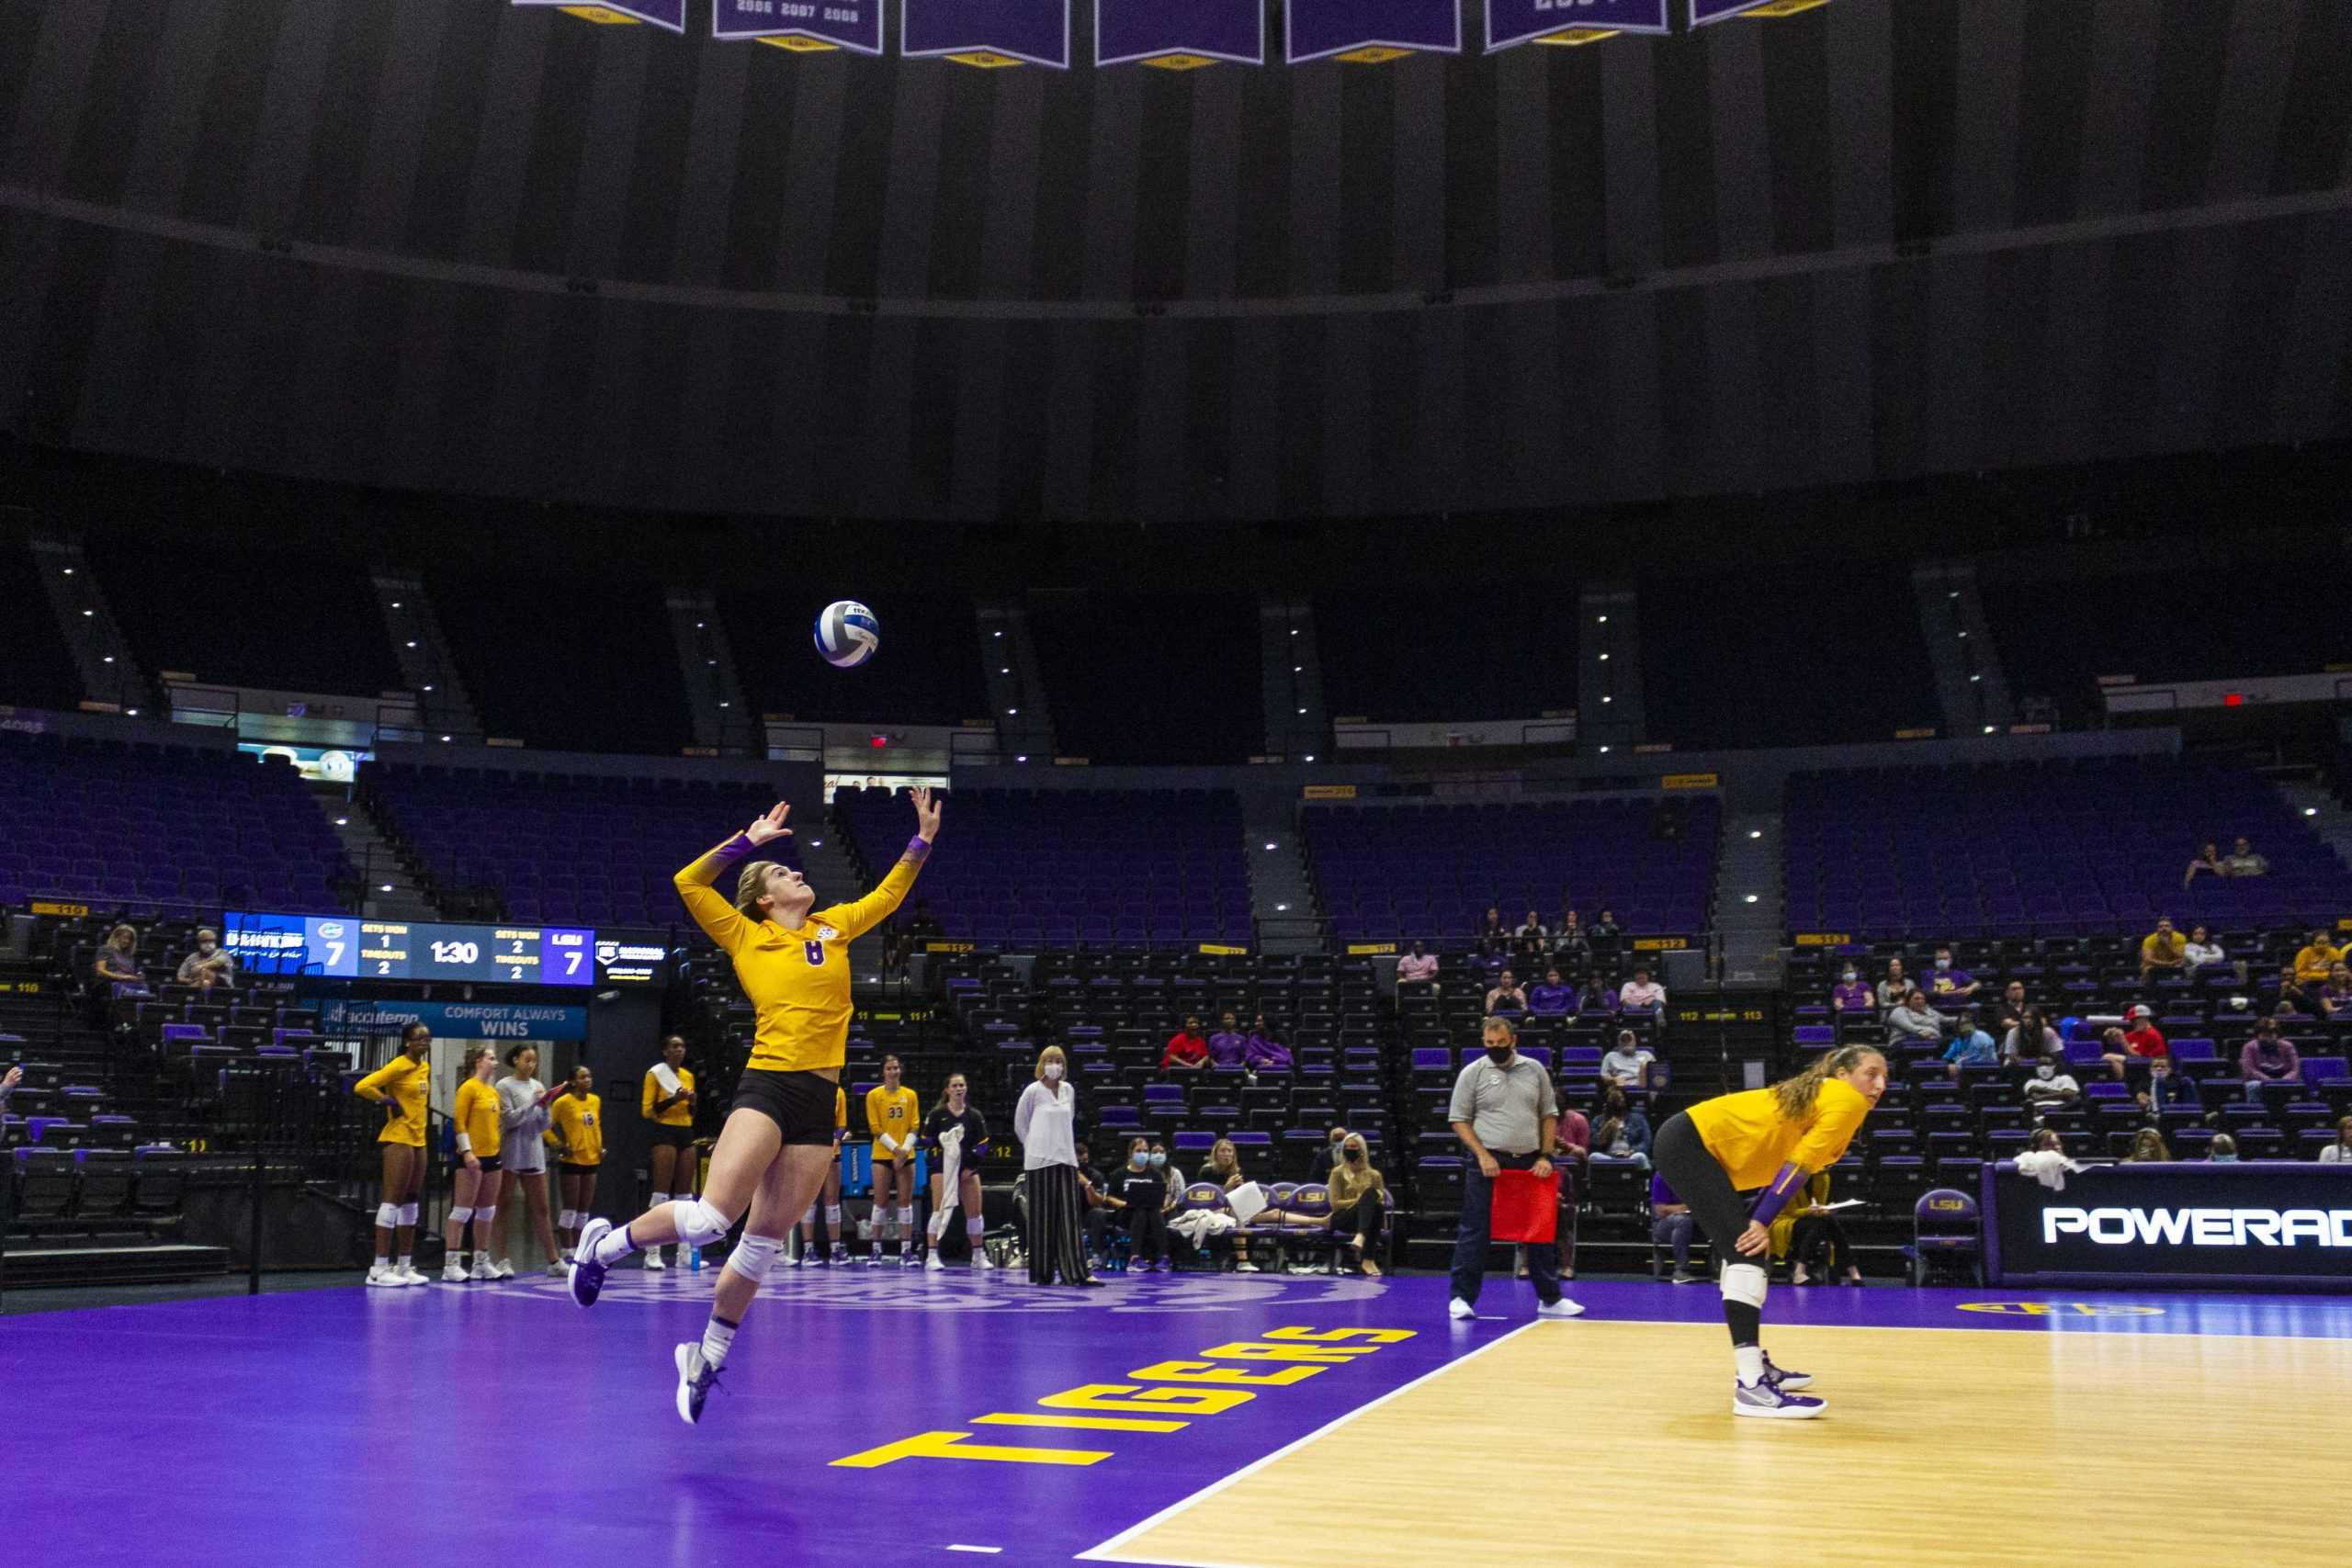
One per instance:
(569, 1168)
(668, 1137)
(800, 1104)
(489, 1163)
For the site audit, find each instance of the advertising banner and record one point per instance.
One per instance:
(2191, 1222)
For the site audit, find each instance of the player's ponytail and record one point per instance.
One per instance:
(1795, 1095)
(750, 886)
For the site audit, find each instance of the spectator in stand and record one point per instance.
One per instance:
(2268, 1058)
(2031, 1039)
(1417, 968)
(1261, 1053)
(1970, 1047)
(1607, 938)
(2202, 952)
(2334, 999)
(2224, 1149)
(1627, 1065)
(2243, 861)
(1852, 994)
(2141, 1040)
(2292, 998)
(8, 1082)
(1641, 992)
(1228, 1047)
(1494, 937)
(1814, 1242)
(208, 966)
(1188, 1052)
(1571, 944)
(2163, 952)
(2148, 1149)
(2046, 1142)
(2165, 1089)
(2012, 1009)
(2208, 863)
(1142, 1198)
(1327, 1158)
(2052, 1088)
(1894, 988)
(1532, 938)
(1356, 1213)
(1913, 1022)
(2340, 1151)
(1553, 998)
(1672, 1226)
(2317, 960)
(116, 962)
(1947, 985)
(1622, 1131)
(1507, 995)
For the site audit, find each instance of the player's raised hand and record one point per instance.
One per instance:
(771, 825)
(926, 815)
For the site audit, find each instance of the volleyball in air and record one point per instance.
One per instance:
(847, 633)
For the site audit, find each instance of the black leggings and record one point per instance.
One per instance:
(1148, 1231)
(1682, 1158)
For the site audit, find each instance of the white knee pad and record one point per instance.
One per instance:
(570, 1220)
(658, 1200)
(1746, 1283)
(974, 1228)
(408, 1214)
(752, 1256)
(699, 1223)
(387, 1215)
(458, 1217)
(906, 1216)
(484, 1216)
(833, 1216)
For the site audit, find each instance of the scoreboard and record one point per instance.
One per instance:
(347, 947)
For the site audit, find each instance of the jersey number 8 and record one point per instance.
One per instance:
(815, 952)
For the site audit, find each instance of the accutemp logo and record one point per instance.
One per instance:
(2200, 1227)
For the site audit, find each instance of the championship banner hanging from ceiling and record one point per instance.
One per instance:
(1369, 30)
(1705, 11)
(805, 26)
(1180, 35)
(667, 14)
(1513, 22)
(987, 33)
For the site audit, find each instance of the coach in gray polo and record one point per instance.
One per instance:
(1506, 1115)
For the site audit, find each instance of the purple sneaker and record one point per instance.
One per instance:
(1784, 1378)
(587, 1274)
(1766, 1398)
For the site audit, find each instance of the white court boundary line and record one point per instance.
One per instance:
(1103, 1553)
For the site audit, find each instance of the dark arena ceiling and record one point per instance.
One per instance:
(457, 245)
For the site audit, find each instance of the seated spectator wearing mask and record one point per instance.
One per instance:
(1947, 985)
(2052, 1088)
(1327, 1158)
(2148, 1149)
(1228, 1047)
(209, 966)
(1553, 998)
(2222, 1150)
(1507, 997)
(2166, 1089)
(1672, 1226)
(2340, 1151)
(2141, 1040)
(1622, 1130)
(1970, 1047)
(2163, 952)
(1852, 994)
(1913, 1022)
(1143, 1198)
(1357, 1215)
(1627, 1065)
(1417, 968)
(2268, 1058)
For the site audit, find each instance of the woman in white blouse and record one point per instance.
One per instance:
(1045, 1121)
(2340, 1151)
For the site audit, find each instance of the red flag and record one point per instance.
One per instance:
(1524, 1208)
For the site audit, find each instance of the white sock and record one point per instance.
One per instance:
(1750, 1361)
(717, 1336)
(615, 1246)
(408, 1260)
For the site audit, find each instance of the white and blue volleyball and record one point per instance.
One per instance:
(847, 633)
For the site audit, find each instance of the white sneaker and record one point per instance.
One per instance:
(1768, 1399)
(1245, 1267)
(1458, 1309)
(874, 1259)
(1561, 1308)
(483, 1268)
(932, 1264)
(411, 1275)
(453, 1273)
(654, 1259)
(557, 1267)
(981, 1257)
(502, 1270)
(383, 1274)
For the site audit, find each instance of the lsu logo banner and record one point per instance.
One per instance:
(1513, 22)
(1180, 35)
(1369, 31)
(807, 26)
(987, 33)
(667, 14)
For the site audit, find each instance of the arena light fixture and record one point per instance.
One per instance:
(1298, 669)
(1282, 908)
(1004, 670)
(134, 712)
(1269, 843)
(1604, 750)
(1293, 631)
(1601, 619)
(722, 704)
(444, 740)
(1988, 730)
(1963, 637)
(2310, 810)
(1749, 899)
(1608, 699)
(428, 688)
(396, 603)
(343, 821)
(385, 887)
(1756, 832)
(999, 633)
(69, 571)
(412, 642)
(89, 611)
(1302, 711)
(109, 658)
(1021, 759)
(1604, 659)
(1973, 679)
(1310, 756)
(1012, 713)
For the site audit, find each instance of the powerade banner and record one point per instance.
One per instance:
(987, 33)
(669, 15)
(801, 24)
(1513, 22)
(2192, 1223)
(341, 1018)
(1370, 29)
(1179, 33)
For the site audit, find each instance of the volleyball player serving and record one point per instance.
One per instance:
(792, 961)
(1775, 1138)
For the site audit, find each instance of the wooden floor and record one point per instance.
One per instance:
(1612, 1443)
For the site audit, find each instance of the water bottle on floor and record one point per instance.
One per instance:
(694, 1259)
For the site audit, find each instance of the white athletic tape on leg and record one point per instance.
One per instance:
(387, 1215)
(1746, 1283)
(408, 1214)
(458, 1217)
(752, 1256)
(699, 1223)
(484, 1216)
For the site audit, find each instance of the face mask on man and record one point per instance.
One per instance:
(1053, 1072)
(1500, 1054)
(1848, 976)
(2046, 1070)
(1943, 962)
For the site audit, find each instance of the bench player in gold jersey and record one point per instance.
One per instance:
(792, 960)
(400, 1085)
